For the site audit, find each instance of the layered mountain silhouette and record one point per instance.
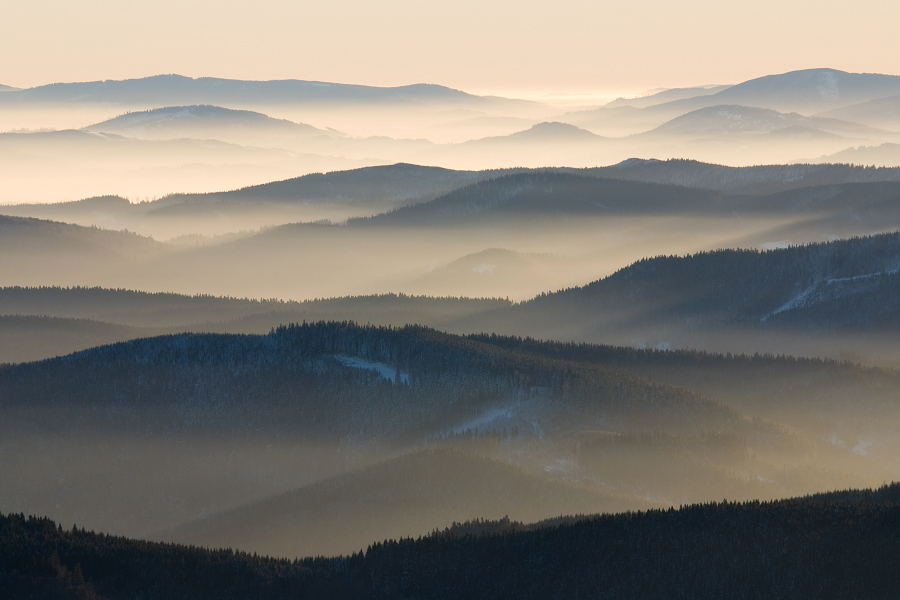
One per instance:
(304, 404)
(666, 96)
(807, 91)
(881, 112)
(177, 89)
(828, 289)
(876, 156)
(204, 122)
(731, 119)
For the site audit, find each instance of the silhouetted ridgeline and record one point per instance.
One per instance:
(763, 179)
(399, 183)
(547, 193)
(841, 545)
(149, 309)
(178, 89)
(554, 194)
(844, 284)
(289, 381)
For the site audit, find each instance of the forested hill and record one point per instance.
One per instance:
(842, 545)
(232, 425)
(557, 195)
(391, 186)
(398, 184)
(762, 179)
(161, 309)
(335, 379)
(844, 284)
(549, 193)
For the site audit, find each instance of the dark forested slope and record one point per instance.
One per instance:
(44, 322)
(554, 195)
(549, 194)
(841, 545)
(844, 284)
(762, 179)
(143, 436)
(295, 380)
(389, 185)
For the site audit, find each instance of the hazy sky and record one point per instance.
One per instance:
(521, 47)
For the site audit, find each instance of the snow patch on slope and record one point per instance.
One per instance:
(801, 298)
(386, 371)
(484, 268)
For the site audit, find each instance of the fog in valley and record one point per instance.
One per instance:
(150, 137)
(296, 318)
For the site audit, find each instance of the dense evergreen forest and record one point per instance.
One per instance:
(554, 194)
(44, 322)
(243, 381)
(844, 285)
(757, 180)
(392, 186)
(148, 309)
(838, 545)
(199, 433)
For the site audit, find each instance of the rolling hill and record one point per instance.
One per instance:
(883, 155)
(543, 133)
(806, 92)
(881, 112)
(757, 180)
(28, 338)
(736, 120)
(403, 497)
(215, 422)
(808, 300)
(666, 96)
(62, 249)
(205, 122)
(837, 545)
(548, 194)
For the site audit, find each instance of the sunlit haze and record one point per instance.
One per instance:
(394, 299)
(502, 47)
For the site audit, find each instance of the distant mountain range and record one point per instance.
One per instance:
(162, 90)
(666, 96)
(881, 112)
(878, 156)
(807, 91)
(855, 97)
(802, 91)
(544, 133)
(575, 219)
(732, 119)
(391, 186)
(801, 116)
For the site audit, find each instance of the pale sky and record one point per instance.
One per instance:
(508, 47)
